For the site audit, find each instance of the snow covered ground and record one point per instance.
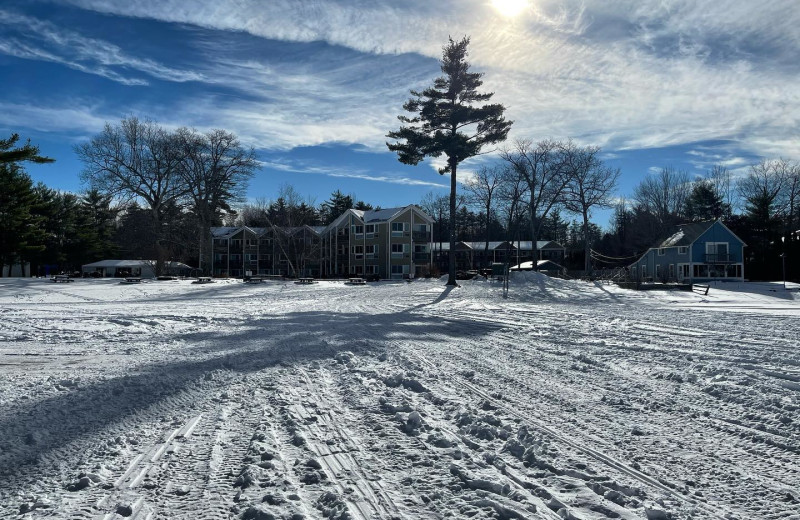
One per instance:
(395, 400)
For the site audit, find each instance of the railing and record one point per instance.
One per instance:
(719, 258)
(421, 257)
(421, 236)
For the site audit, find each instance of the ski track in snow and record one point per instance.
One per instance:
(397, 401)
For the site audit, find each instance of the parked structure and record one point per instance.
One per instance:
(134, 268)
(696, 252)
(472, 255)
(387, 243)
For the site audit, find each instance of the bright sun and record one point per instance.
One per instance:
(510, 7)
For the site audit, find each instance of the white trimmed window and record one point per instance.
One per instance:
(661, 251)
(399, 249)
(399, 269)
(398, 228)
(682, 250)
(358, 251)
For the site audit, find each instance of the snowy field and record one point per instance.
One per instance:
(398, 401)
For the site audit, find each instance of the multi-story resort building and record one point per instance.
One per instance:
(386, 243)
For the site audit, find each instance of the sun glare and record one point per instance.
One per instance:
(510, 7)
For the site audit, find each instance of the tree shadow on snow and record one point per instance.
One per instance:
(35, 432)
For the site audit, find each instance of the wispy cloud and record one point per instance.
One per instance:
(45, 41)
(338, 172)
(622, 75)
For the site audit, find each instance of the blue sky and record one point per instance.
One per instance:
(314, 86)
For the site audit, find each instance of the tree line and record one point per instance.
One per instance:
(155, 193)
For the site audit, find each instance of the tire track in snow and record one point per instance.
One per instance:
(345, 458)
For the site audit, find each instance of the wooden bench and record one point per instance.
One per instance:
(305, 281)
(254, 279)
(701, 288)
(203, 279)
(61, 278)
(356, 281)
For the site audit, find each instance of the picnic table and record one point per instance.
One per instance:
(254, 279)
(131, 280)
(61, 278)
(356, 281)
(305, 281)
(203, 279)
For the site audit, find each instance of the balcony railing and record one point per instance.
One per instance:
(421, 236)
(421, 257)
(719, 258)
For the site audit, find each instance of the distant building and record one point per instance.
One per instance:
(472, 255)
(17, 270)
(388, 243)
(696, 252)
(135, 268)
(252, 251)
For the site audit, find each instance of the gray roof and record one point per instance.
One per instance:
(687, 234)
(134, 263)
(525, 245)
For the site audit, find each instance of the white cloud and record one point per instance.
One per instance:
(48, 42)
(622, 75)
(348, 173)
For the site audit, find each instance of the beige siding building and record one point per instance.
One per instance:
(387, 243)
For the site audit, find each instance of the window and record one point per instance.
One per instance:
(658, 272)
(661, 251)
(398, 228)
(399, 269)
(399, 249)
(358, 251)
(221, 241)
(717, 252)
(371, 251)
(671, 271)
(372, 269)
(358, 229)
(420, 248)
(341, 249)
(682, 250)
(421, 228)
(370, 230)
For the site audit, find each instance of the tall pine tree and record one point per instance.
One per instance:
(451, 119)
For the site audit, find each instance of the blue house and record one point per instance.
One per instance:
(697, 252)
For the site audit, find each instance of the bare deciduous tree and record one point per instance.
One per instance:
(482, 189)
(541, 167)
(513, 189)
(215, 168)
(137, 160)
(664, 196)
(590, 184)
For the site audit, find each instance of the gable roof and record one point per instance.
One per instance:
(687, 234)
(374, 216)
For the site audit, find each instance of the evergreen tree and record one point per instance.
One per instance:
(18, 221)
(334, 207)
(27, 152)
(704, 203)
(444, 112)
